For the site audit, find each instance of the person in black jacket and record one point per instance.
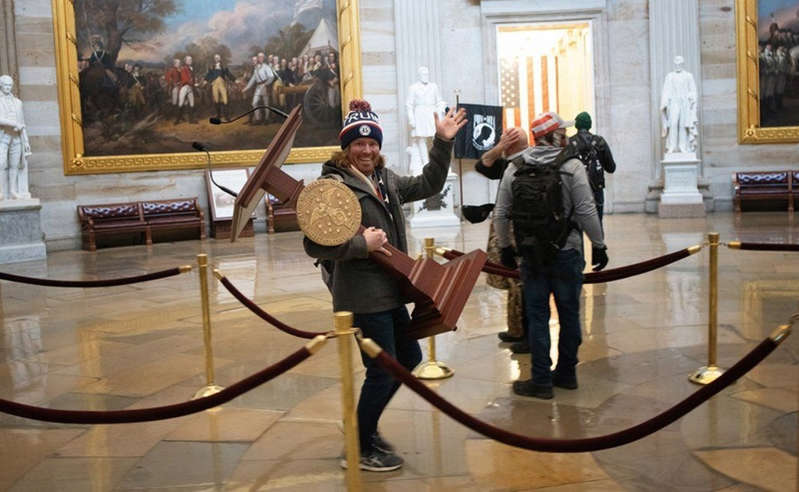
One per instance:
(595, 154)
(492, 165)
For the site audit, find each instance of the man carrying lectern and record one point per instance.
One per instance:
(360, 285)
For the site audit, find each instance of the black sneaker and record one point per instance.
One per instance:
(528, 388)
(508, 338)
(564, 382)
(377, 461)
(381, 444)
(520, 348)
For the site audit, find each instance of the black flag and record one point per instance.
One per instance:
(482, 131)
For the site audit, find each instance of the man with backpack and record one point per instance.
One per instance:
(595, 155)
(546, 196)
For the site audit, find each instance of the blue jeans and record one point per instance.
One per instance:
(564, 279)
(389, 330)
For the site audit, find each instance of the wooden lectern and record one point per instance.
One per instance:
(439, 291)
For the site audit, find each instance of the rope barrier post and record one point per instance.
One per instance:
(432, 369)
(210, 388)
(711, 371)
(342, 322)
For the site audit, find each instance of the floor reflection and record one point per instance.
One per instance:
(140, 346)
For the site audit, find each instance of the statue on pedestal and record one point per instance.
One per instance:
(14, 145)
(678, 108)
(424, 99)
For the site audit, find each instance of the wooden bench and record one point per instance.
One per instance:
(179, 213)
(770, 187)
(794, 189)
(142, 217)
(280, 218)
(111, 219)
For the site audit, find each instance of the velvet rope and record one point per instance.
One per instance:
(591, 277)
(636, 268)
(263, 314)
(93, 283)
(767, 246)
(580, 445)
(155, 413)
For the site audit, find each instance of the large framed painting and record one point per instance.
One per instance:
(768, 70)
(139, 81)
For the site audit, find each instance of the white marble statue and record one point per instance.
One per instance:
(14, 145)
(424, 99)
(678, 108)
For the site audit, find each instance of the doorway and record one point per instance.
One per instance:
(544, 66)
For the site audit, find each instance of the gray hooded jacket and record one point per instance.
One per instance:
(577, 194)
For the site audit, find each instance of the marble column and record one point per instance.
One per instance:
(8, 41)
(418, 43)
(674, 30)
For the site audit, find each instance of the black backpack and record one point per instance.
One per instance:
(540, 225)
(586, 151)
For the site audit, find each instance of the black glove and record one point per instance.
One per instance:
(599, 258)
(508, 258)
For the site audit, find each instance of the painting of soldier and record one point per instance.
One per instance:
(778, 61)
(151, 74)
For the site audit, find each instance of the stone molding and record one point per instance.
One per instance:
(496, 12)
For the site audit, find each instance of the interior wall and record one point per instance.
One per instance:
(61, 194)
(622, 105)
(722, 155)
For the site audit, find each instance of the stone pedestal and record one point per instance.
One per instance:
(437, 211)
(21, 231)
(681, 197)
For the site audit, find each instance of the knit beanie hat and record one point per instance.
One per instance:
(360, 122)
(583, 121)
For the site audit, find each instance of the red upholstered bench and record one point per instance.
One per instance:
(777, 187)
(794, 188)
(111, 219)
(179, 213)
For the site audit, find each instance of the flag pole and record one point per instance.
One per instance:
(460, 161)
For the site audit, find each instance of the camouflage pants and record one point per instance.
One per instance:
(515, 306)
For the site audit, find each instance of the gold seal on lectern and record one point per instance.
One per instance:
(328, 212)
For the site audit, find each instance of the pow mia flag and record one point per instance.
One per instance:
(481, 132)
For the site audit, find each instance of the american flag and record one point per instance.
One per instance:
(528, 87)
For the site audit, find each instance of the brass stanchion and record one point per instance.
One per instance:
(711, 371)
(342, 322)
(210, 388)
(432, 369)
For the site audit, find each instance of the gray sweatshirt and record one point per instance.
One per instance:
(576, 193)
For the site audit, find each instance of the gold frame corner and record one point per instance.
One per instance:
(749, 130)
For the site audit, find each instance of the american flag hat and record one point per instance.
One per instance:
(547, 123)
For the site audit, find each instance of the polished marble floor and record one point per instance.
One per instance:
(141, 345)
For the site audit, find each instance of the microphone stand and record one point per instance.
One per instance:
(203, 148)
(216, 121)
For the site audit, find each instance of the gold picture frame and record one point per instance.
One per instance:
(749, 117)
(72, 141)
